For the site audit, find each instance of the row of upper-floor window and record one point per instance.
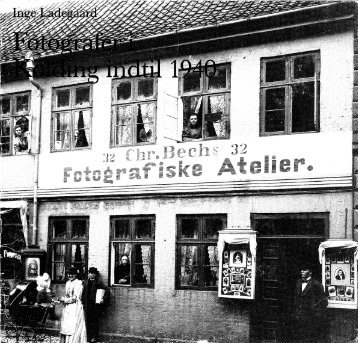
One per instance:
(289, 103)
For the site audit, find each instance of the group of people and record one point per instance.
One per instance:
(82, 306)
(82, 303)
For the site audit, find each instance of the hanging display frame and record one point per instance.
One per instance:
(237, 264)
(339, 272)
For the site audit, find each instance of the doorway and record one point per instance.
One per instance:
(285, 243)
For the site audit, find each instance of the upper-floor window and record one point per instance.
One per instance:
(290, 94)
(197, 252)
(15, 123)
(71, 117)
(68, 245)
(206, 103)
(134, 107)
(132, 251)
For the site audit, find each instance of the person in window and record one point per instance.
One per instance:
(340, 275)
(73, 328)
(20, 140)
(193, 129)
(122, 271)
(93, 303)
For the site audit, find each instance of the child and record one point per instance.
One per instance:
(43, 289)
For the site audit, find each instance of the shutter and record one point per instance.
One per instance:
(173, 110)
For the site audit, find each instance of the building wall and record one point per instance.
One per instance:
(165, 311)
(335, 113)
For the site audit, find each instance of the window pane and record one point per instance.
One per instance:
(218, 80)
(211, 266)
(79, 228)
(189, 275)
(23, 122)
(22, 103)
(191, 82)
(78, 257)
(142, 257)
(303, 107)
(189, 228)
(145, 88)
(303, 66)
(121, 270)
(216, 119)
(63, 98)
(5, 136)
(4, 105)
(145, 122)
(82, 128)
(59, 267)
(275, 110)
(193, 114)
(62, 131)
(122, 125)
(59, 229)
(121, 228)
(124, 91)
(275, 71)
(212, 226)
(82, 96)
(143, 228)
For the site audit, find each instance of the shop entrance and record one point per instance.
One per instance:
(285, 244)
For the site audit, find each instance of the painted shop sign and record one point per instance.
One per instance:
(269, 158)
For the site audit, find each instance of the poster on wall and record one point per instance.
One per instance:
(237, 269)
(339, 271)
(32, 268)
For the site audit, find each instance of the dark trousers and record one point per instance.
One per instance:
(92, 321)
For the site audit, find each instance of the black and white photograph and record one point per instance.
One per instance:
(174, 170)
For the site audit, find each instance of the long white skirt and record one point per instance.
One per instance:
(73, 327)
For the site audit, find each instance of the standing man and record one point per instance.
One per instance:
(91, 308)
(309, 308)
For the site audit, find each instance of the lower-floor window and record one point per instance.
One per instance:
(132, 251)
(68, 245)
(197, 252)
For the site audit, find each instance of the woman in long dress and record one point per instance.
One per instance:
(73, 328)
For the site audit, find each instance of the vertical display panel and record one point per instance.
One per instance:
(339, 272)
(237, 253)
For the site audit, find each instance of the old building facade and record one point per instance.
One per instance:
(114, 165)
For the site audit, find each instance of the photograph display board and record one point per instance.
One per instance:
(339, 275)
(237, 265)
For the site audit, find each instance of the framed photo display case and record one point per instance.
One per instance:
(237, 264)
(339, 273)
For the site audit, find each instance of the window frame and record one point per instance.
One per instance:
(68, 241)
(132, 102)
(205, 93)
(133, 241)
(71, 110)
(11, 116)
(201, 242)
(288, 84)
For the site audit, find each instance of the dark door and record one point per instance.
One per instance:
(279, 262)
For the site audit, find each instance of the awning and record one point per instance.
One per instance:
(336, 243)
(237, 237)
(6, 206)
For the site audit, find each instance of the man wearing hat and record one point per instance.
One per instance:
(92, 308)
(310, 308)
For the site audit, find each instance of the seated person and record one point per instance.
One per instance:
(122, 271)
(193, 129)
(20, 140)
(43, 289)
